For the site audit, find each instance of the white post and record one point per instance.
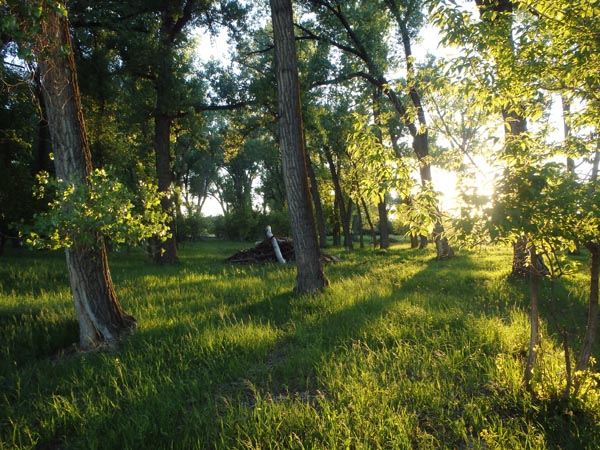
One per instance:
(275, 245)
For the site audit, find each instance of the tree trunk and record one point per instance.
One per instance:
(515, 124)
(359, 226)
(370, 222)
(165, 251)
(592, 318)
(347, 226)
(335, 224)
(414, 241)
(566, 113)
(594, 175)
(519, 263)
(101, 319)
(534, 317)
(442, 246)
(345, 211)
(384, 236)
(310, 277)
(421, 138)
(316, 198)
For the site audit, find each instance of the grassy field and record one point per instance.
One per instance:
(402, 351)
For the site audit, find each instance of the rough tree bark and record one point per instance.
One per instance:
(310, 277)
(100, 316)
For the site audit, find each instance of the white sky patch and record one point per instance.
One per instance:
(208, 47)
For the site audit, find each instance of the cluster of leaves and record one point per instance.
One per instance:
(420, 212)
(102, 208)
(375, 168)
(546, 203)
(470, 228)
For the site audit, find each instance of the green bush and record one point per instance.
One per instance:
(251, 227)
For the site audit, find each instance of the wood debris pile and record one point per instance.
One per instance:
(263, 252)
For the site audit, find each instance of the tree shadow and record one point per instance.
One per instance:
(211, 367)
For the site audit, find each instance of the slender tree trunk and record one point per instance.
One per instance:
(534, 317)
(316, 198)
(421, 138)
(515, 124)
(335, 223)
(594, 176)
(359, 225)
(100, 316)
(384, 239)
(591, 329)
(566, 111)
(310, 277)
(347, 226)
(345, 211)
(370, 222)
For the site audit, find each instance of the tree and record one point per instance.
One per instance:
(521, 50)
(152, 43)
(99, 313)
(310, 277)
(349, 28)
(18, 122)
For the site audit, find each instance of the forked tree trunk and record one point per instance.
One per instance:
(100, 316)
(370, 222)
(310, 277)
(592, 318)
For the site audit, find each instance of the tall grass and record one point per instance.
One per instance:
(402, 351)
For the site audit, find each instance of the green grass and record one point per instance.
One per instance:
(401, 351)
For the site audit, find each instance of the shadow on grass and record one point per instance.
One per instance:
(192, 380)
